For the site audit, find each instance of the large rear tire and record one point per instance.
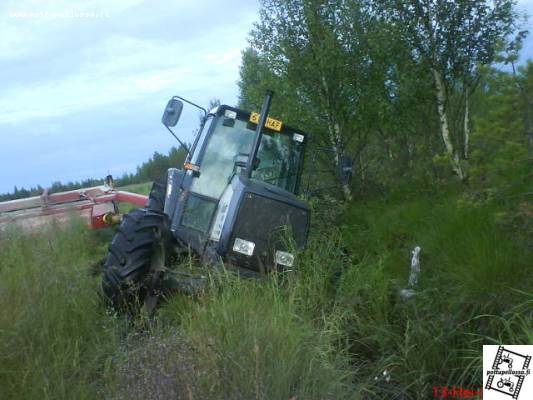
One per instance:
(156, 200)
(129, 266)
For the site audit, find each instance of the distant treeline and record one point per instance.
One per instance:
(153, 169)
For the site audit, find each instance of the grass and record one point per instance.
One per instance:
(55, 339)
(254, 342)
(472, 265)
(140, 188)
(335, 329)
(466, 246)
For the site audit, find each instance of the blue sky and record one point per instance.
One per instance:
(84, 83)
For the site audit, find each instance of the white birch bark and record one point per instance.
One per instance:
(335, 139)
(444, 128)
(345, 187)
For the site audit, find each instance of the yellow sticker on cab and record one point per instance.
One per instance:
(270, 123)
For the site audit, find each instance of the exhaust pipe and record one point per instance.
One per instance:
(259, 131)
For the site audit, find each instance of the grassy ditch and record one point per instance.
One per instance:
(335, 329)
(475, 288)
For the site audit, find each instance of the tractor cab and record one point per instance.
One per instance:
(235, 200)
(236, 196)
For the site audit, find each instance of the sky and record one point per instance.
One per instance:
(83, 84)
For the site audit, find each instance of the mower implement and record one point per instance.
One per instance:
(96, 205)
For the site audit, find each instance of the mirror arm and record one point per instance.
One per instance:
(180, 142)
(192, 104)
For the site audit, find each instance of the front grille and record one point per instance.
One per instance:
(267, 223)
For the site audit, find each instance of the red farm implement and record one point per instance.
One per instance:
(98, 206)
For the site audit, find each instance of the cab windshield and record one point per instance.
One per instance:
(278, 158)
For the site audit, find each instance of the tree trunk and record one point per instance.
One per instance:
(335, 140)
(466, 128)
(444, 128)
(335, 137)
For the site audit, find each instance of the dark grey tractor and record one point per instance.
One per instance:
(234, 201)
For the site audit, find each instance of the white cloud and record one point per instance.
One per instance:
(118, 68)
(72, 88)
(26, 26)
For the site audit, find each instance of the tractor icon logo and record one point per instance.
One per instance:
(507, 372)
(505, 359)
(506, 382)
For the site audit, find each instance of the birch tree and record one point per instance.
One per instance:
(301, 41)
(453, 38)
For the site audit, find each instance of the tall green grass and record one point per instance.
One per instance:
(335, 327)
(269, 339)
(475, 283)
(254, 343)
(55, 339)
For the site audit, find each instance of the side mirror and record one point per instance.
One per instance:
(172, 112)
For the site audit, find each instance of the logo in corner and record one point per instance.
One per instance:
(506, 372)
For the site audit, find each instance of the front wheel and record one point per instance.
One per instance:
(135, 256)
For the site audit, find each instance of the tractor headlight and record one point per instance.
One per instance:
(284, 258)
(243, 246)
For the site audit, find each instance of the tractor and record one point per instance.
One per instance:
(233, 203)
